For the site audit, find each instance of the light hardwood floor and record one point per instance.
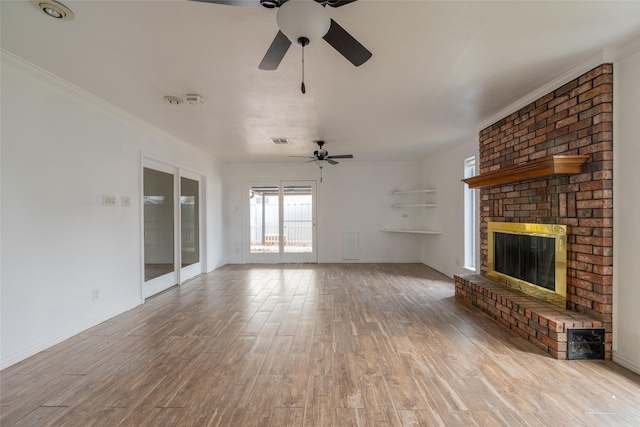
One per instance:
(311, 345)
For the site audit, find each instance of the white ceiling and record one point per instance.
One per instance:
(438, 71)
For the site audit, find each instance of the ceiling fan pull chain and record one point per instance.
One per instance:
(302, 87)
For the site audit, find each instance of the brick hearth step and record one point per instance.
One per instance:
(541, 323)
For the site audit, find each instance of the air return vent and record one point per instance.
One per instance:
(279, 141)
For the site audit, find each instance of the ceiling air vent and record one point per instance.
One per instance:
(279, 141)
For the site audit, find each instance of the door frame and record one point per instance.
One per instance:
(281, 257)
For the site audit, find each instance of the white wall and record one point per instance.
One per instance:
(626, 211)
(353, 197)
(444, 171)
(62, 150)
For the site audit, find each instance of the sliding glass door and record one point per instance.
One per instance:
(281, 222)
(172, 232)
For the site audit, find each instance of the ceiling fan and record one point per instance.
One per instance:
(303, 22)
(322, 155)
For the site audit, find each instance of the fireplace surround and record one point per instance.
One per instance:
(576, 119)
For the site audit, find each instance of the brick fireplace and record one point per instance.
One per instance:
(575, 119)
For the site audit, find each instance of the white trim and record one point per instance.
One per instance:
(627, 363)
(51, 341)
(615, 314)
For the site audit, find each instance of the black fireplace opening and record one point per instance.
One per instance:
(526, 257)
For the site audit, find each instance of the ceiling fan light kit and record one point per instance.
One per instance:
(303, 19)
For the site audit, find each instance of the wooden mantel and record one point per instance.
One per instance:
(539, 168)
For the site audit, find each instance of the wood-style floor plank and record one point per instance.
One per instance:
(311, 345)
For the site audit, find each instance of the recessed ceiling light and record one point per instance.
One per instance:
(173, 100)
(54, 9)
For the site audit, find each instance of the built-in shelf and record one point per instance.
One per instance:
(539, 168)
(412, 231)
(426, 190)
(414, 205)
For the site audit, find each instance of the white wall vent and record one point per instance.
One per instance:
(279, 141)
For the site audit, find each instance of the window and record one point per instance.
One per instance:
(470, 222)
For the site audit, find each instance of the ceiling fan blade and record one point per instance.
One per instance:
(348, 46)
(338, 3)
(331, 162)
(341, 156)
(276, 52)
(242, 3)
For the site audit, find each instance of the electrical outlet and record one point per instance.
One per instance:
(108, 200)
(95, 294)
(124, 201)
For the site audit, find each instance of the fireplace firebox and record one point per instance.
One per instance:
(529, 257)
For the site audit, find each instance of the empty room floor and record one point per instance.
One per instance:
(311, 345)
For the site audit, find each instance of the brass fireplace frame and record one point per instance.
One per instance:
(556, 231)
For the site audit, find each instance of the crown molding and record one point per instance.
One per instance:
(627, 49)
(602, 57)
(33, 69)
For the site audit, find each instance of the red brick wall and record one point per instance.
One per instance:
(576, 118)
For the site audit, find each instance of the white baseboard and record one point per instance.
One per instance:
(25, 353)
(626, 362)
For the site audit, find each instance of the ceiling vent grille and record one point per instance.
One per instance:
(279, 141)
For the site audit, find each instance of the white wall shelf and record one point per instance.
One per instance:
(426, 190)
(414, 205)
(412, 231)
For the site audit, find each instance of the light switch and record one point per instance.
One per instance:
(108, 200)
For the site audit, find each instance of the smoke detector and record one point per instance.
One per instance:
(173, 100)
(194, 99)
